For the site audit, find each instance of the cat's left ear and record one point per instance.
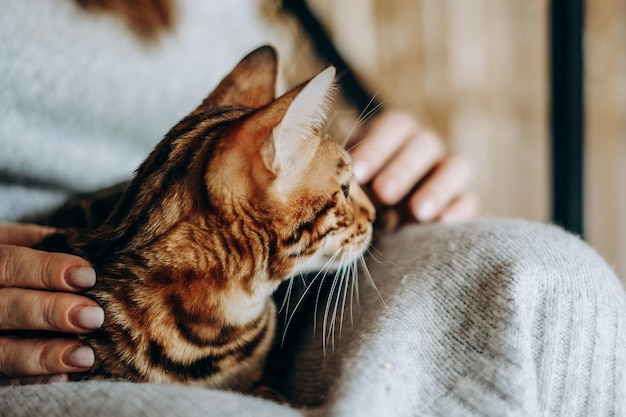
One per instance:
(252, 83)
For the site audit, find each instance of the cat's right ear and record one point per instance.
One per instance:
(284, 133)
(252, 83)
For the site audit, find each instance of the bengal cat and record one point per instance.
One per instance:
(242, 194)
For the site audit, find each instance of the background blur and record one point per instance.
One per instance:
(478, 73)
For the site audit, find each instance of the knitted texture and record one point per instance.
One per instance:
(116, 399)
(83, 101)
(492, 318)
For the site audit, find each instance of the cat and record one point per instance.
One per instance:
(244, 193)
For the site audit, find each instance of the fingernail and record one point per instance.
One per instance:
(389, 192)
(58, 378)
(425, 210)
(88, 317)
(360, 171)
(448, 218)
(81, 357)
(83, 277)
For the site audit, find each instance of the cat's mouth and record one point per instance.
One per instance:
(331, 259)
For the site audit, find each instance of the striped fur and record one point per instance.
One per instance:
(220, 213)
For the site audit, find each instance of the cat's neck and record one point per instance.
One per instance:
(223, 267)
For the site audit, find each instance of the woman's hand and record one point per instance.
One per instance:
(35, 294)
(404, 161)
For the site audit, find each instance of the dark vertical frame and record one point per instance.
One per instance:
(567, 113)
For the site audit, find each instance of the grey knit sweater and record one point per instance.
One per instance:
(83, 101)
(492, 318)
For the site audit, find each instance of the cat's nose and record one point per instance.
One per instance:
(369, 212)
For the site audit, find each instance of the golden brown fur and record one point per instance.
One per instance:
(146, 18)
(242, 194)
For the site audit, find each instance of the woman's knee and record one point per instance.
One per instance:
(491, 249)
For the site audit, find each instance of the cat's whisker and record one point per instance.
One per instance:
(354, 278)
(317, 299)
(370, 251)
(346, 278)
(369, 277)
(341, 280)
(289, 291)
(333, 322)
(356, 289)
(336, 114)
(364, 115)
(323, 271)
(286, 298)
(357, 124)
(319, 290)
(330, 324)
(325, 326)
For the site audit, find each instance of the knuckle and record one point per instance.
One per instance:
(29, 268)
(7, 254)
(5, 309)
(438, 195)
(48, 360)
(55, 311)
(6, 364)
(432, 142)
(28, 357)
(48, 275)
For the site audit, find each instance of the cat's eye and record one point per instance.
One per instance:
(345, 188)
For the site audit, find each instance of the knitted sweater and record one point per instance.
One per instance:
(84, 100)
(493, 318)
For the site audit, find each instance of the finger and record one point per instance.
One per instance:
(450, 179)
(384, 136)
(22, 234)
(463, 208)
(418, 156)
(29, 268)
(32, 380)
(43, 310)
(32, 357)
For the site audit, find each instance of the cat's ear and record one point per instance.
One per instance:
(293, 138)
(284, 133)
(252, 83)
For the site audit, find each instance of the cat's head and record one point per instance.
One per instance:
(262, 167)
(277, 162)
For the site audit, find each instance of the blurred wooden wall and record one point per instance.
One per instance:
(477, 72)
(605, 182)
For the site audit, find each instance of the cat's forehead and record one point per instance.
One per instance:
(332, 162)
